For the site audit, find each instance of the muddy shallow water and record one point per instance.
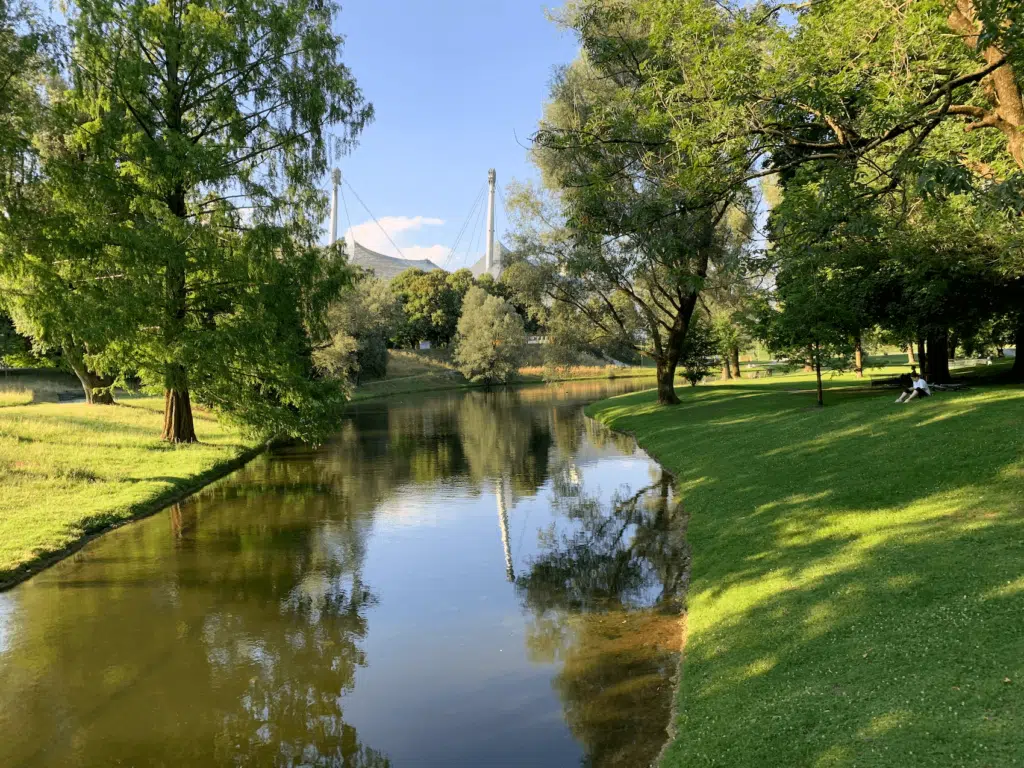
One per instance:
(463, 579)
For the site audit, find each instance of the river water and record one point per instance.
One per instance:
(463, 579)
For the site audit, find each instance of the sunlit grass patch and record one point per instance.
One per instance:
(24, 386)
(856, 596)
(67, 470)
(15, 396)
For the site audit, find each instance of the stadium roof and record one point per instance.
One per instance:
(497, 267)
(390, 267)
(387, 267)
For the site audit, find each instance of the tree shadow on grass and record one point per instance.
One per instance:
(857, 593)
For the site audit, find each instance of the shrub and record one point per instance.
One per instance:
(491, 342)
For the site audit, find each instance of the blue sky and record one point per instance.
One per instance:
(458, 87)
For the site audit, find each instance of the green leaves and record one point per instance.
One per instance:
(491, 340)
(173, 230)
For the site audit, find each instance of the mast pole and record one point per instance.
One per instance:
(492, 179)
(336, 178)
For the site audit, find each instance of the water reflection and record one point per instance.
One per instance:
(605, 594)
(352, 605)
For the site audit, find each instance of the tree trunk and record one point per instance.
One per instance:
(1017, 372)
(817, 370)
(953, 343)
(938, 358)
(910, 355)
(666, 382)
(734, 356)
(668, 360)
(922, 357)
(858, 357)
(178, 425)
(726, 370)
(97, 388)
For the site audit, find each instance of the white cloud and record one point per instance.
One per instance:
(399, 229)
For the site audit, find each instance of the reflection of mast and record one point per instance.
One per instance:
(504, 494)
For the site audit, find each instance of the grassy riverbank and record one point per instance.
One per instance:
(71, 470)
(858, 574)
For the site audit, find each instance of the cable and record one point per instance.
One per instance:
(472, 237)
(346, 181)
(344, 202)
(465, 225)
(504, 206)
(481, 246)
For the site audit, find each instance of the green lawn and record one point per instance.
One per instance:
(68, 470)
(857, 595)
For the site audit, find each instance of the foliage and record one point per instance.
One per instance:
(810, 324)
(491, 339)
(641, 195)
(896, 133)
(28, 45)
(360, 323)
(179, 198)
(431, 303)
(700, 346)
(12, 344)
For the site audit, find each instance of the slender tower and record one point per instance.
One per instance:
(336, 178)
(492, 180)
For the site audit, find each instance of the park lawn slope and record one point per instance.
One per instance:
(857, 593)
(71, 470)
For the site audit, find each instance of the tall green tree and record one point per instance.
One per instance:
(206, 121)
(643, 190)
(432, 303)
(491, 340)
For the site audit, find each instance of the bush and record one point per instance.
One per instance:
(698, 350)
(491, 341)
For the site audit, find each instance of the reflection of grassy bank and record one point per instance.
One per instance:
(411, 372)
(71, 470)
(857, 585)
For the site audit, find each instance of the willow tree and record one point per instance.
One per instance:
(643, 218)
(214, 122)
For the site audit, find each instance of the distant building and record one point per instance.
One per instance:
(386, 267)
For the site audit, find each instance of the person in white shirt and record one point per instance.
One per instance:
(920, 389)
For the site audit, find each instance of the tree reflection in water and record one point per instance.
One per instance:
(228, 637)
(606, 599)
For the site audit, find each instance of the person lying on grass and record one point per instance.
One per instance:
(920, 388)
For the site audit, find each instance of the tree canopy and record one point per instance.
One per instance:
(178, 207)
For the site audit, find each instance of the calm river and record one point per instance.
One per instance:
(464, 579)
